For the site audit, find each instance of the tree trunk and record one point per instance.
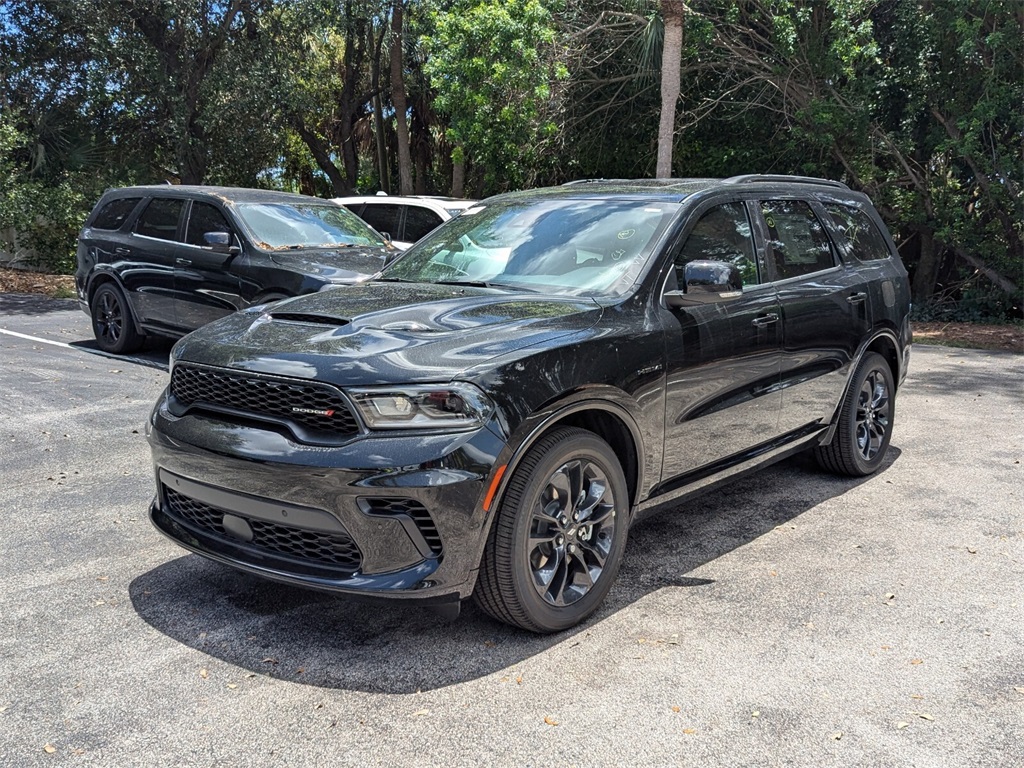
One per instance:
(458, 173)
(383, 173)
(927, 271)
(399, 101)
(318, 148)
(672, 12)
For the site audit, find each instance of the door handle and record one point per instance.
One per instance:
(122, 251)
(183, 262)
(856, 298)
(764, 320)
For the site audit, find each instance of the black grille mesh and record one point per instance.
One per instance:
(335, 550)
(419, 514)
(268, 397)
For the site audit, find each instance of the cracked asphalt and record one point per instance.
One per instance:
(791, 619)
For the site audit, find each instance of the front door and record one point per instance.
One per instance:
(148, 271)
(206, 286)
(722, 361)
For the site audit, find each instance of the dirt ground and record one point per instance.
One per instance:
(1009, 338)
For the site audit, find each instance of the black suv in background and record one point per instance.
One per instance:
(164, 260)
(492, 413)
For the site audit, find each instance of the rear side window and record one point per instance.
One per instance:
(204, 218)
(419, 221)
(113, 214)
(160, 219)
(798, 242)
(383, 218)
(861, 232)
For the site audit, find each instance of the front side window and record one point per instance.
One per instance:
(382, 217)
(721, 234)
(565, 247)
(419, 221)
(279, 226)
(861, 232)
(204, 218)
(796, 239)
(160, 219)
(113, 214)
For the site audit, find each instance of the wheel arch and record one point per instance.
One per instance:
(608, 420)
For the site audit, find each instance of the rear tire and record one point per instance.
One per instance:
(861, 439)
(555, 547)
(112, 321)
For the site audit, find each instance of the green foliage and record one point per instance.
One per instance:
(490, 66)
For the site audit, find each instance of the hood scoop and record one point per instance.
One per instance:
(310, 318)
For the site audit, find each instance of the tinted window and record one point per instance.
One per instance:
(160, 219)
(798, 242)
(383, 218)
(204, 218)
(722, 234)
(113, 214)
(305, 225)
(858, 228)
(418, 222)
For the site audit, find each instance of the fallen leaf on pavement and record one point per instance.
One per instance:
(49, 749)
(837, 735)
(232, 686)
(756, 713)
(204, 673)
(924, 716)
(519, 680)
(677, 709)
(902, 724)
(550, 720)
(689, 731)
(917, 661)
(972, 550)
(270, 660)
(421, 712)
(1017, 688)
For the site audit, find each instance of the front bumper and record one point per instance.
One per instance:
(394, 516)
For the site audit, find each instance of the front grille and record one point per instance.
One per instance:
(315, 408)
(412, 508)
(335, 550)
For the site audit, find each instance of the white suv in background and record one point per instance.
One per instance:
(404, 219)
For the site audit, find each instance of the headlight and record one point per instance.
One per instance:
(457, 405)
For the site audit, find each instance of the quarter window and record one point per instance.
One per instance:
(798, 243)
(113, 214)
(721, 234)
(861, 232)
(160, 219)
(204, 218)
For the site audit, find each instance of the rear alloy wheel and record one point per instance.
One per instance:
(112, 322)
(862, 436)
(557, 542)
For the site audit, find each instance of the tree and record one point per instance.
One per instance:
(673, 13)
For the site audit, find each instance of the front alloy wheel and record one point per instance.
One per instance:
(555, 546)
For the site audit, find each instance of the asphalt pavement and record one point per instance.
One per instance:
(792, 619)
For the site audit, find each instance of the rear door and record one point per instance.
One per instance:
(722, 358)
(206, 283)
(825, 311)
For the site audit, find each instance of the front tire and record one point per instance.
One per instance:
(859, 444)
(556, 544)
(112, 322)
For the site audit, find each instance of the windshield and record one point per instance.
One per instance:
(577, 247)
(305, 225)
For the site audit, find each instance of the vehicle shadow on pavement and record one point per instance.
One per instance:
(335, 642)
(34, 304)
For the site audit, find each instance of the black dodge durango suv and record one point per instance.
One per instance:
(164, 260)
(492, 412)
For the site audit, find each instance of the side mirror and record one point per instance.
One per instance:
(219, 242)
(707, 282)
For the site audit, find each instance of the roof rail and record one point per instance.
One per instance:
(586, 181)
(749, 178)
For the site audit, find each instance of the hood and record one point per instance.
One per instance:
(341, 265)
(385, 333)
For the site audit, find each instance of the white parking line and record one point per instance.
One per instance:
(99, 352)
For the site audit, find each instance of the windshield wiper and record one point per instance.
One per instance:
(469, 283)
